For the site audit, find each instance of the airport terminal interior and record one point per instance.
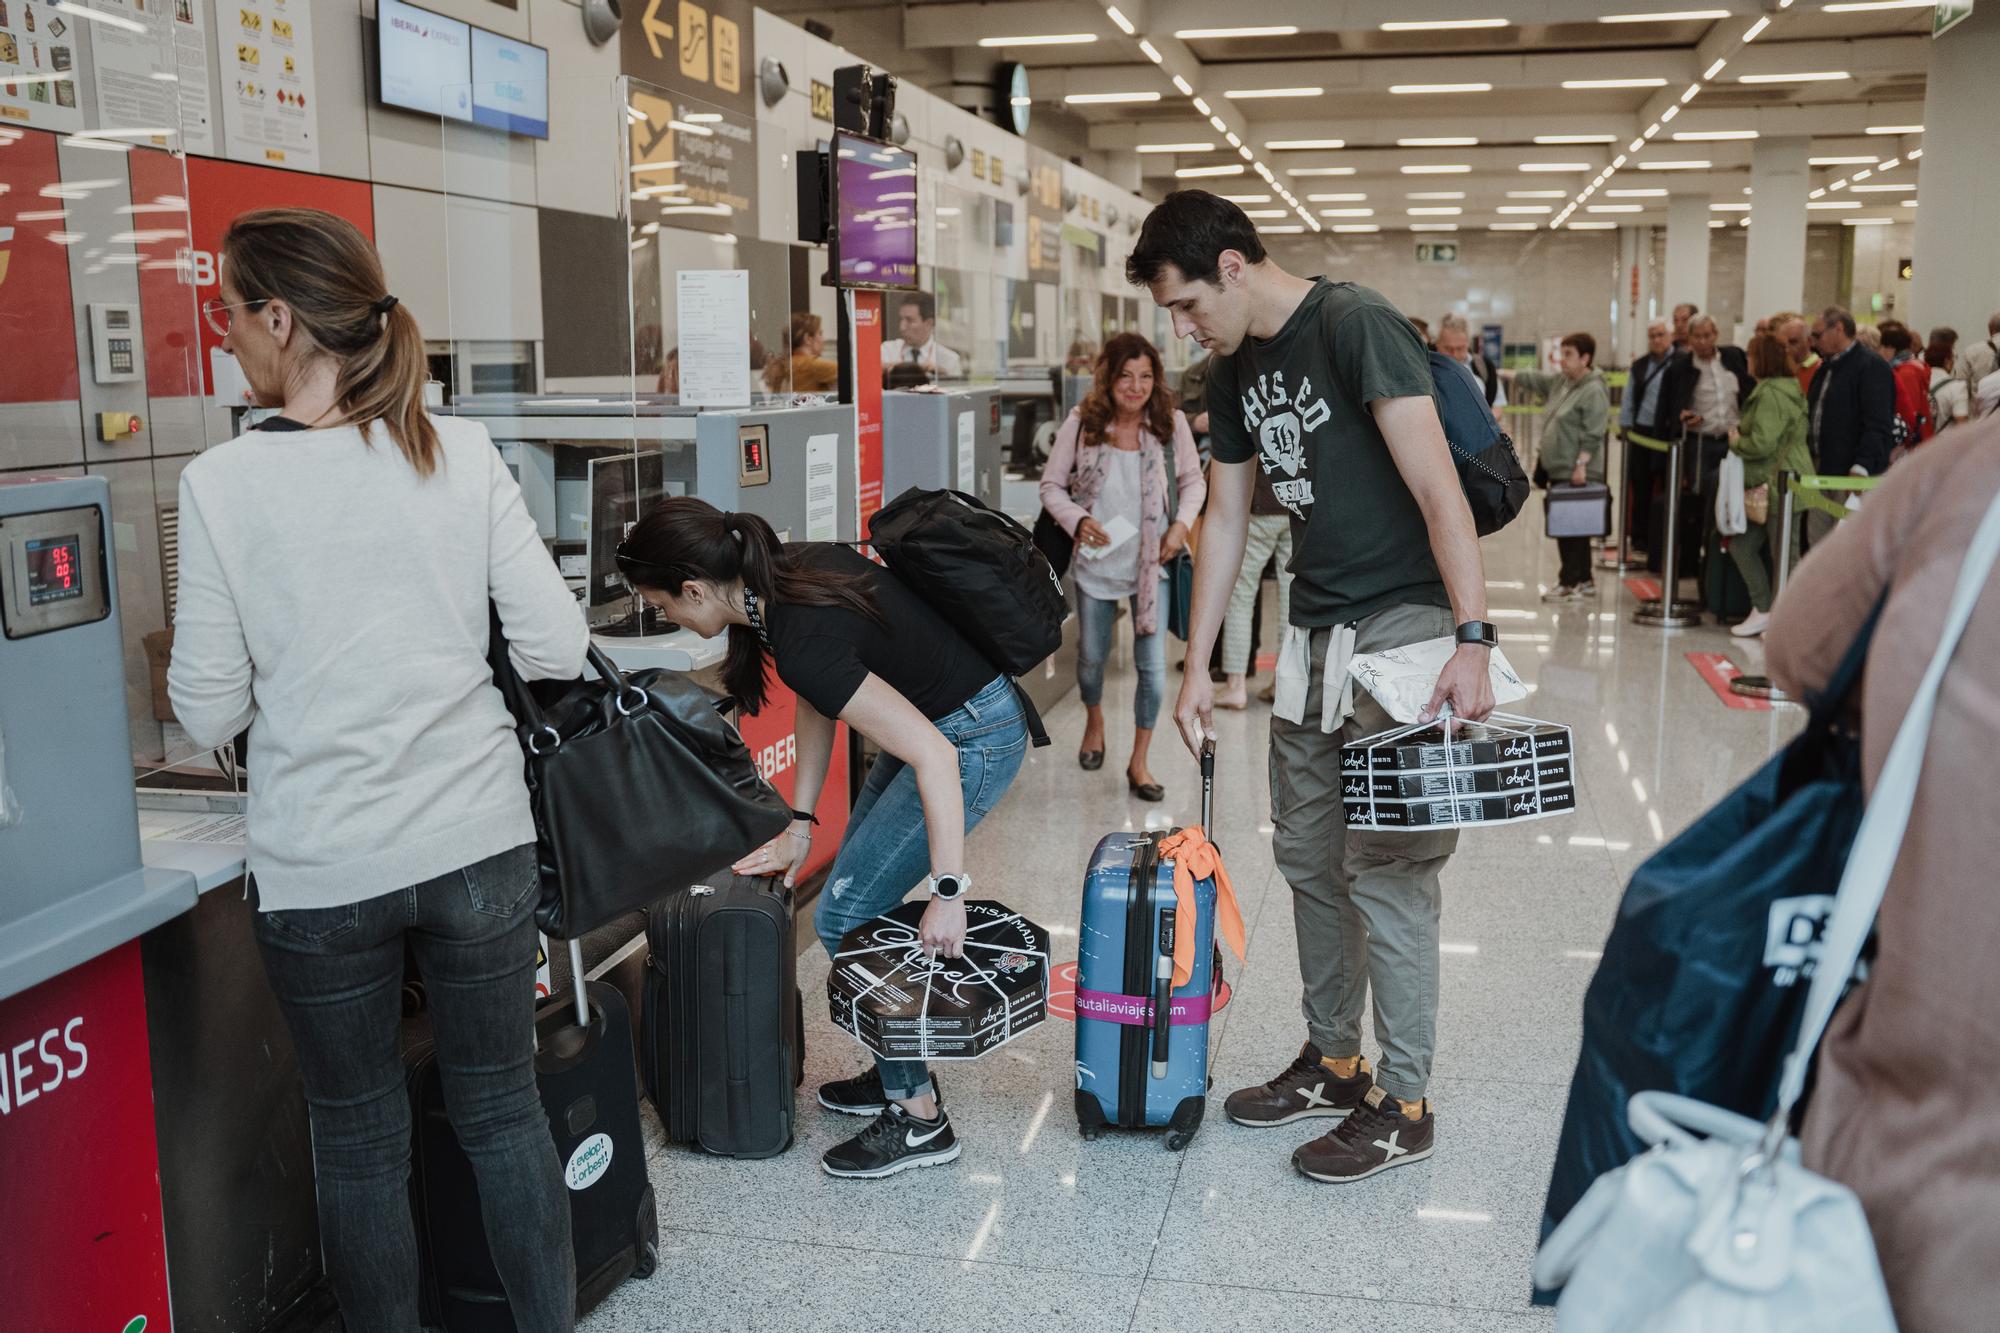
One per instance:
(801, 259)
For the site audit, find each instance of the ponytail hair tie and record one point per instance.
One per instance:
(383, 306)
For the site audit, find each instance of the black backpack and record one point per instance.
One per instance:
(1488, 469)
(982, 572)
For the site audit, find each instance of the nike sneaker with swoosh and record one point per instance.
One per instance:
(1374, 1138)
(1306, 1089)
(894, 1141)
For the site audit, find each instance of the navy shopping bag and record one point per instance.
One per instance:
(1703, 981)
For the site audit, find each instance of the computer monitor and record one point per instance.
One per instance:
(622, 488)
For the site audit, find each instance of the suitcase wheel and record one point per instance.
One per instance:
(1176, 1140)
(1090, 1121)
(1186, 1120)
(649, 1259)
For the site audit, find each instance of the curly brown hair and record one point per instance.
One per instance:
(1098, 410)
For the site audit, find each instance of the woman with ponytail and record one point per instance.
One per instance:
(855, 644)
(335, 572)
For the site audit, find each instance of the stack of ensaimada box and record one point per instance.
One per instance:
(1458, 774)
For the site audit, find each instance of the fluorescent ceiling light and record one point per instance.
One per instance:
(1406, 88)
(1152, 52)
(1541, 194)
(1714, 70)
(1866, 222)
(1914, 154)
(1201, 105)
(1118, 17)
(1347, 212)
(1255, 94)
(1525, 210)
(1717, 222)
(1889, 164)
(1267, 212)
(1298, 145)
(1693, 91)
(1909, 203)
(1692, 164)
(1849, 160)
(1108, 99)
(1896, 129)
(1729, 208)
(1757, 28)
(1042, 39)
(1512, 226)
(1712, 136)
(1884, 189)
(1550, 140)
(1320, 171)
(1186, 88)
(1234, 142)
(1840, 184)
(1579, 84)
(1443, 194)
(1817, 193)
(1615, 208)
(1863, 174)
(1220, 127)
(1293, 230)
(1442, 25)
(1808, 76)
(1669, 16)
(1351, 228)
(1635, 194)
(1440, 141)
(1834, 203)
(1214, 34)
(1193, 146)
(1226, 169)
(1247, 198)
(1436, 169)
(1433, 226)
(1444, 212)
(1353, 198)
(1555, 166)
(1592, 226)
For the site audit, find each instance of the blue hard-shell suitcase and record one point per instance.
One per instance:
(1134, 1070)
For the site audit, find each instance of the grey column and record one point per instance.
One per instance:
(1774, 266)
(1957, 265)
(1687, 252)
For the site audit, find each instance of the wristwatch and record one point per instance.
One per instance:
(950, 887)
(1480, 632)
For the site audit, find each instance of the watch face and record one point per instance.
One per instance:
(950, 886)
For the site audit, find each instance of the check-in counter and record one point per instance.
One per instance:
(942, 439)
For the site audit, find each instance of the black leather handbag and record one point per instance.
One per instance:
(639, 786)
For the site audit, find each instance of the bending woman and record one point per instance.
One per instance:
(855, 644)
(1108, 472)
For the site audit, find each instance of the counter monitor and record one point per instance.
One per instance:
(55, 569)
(875, 214)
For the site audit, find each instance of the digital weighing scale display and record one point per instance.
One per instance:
(55, 569)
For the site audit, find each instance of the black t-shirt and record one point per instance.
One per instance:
(824, 653)
(1298, 403)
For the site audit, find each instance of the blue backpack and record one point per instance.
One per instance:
(1488, 469)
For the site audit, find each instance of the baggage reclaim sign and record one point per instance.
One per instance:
(699, 50)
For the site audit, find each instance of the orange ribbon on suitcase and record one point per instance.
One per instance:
(1195, 857)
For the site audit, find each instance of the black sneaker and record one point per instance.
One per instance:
(860, 1095)
(1376, 1137)
(894, 1141)
(1305, 1090)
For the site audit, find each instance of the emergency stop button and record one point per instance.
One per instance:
(115, 426)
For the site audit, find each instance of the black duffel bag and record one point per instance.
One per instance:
(639, 786)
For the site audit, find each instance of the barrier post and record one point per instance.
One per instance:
(1762, 687)
(1668, 611)
(1620, 560)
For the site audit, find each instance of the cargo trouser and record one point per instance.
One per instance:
(1365, 902)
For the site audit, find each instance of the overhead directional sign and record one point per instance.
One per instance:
(698, 50)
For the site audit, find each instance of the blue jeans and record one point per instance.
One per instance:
(1096, 621)
(338, 976)
(886, 851)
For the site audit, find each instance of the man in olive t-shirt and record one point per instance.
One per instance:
(1325, 389)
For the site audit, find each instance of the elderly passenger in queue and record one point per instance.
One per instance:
(1574, 426)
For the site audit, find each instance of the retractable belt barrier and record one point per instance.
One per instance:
(1669, 611)
(1793, 484)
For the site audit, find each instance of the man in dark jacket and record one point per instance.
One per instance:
(1702, 392)
(1850, 406)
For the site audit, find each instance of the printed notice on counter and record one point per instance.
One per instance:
(270, 106)
(712, 307)
(822, 488)
(965, 460)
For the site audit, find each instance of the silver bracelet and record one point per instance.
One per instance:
(802, 837)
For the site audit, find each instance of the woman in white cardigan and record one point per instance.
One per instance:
(336, 568)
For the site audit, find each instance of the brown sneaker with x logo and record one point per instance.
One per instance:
(1374, 1138)
(1306, 1089)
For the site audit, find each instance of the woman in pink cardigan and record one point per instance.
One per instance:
(1107, 484)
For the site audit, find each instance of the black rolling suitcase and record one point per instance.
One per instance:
(724, 1048)
(590, 1090)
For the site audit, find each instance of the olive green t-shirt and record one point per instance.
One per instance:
(1298, 404)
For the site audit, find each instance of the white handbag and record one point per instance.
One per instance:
(1728, 1233)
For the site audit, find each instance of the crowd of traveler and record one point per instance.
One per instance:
(353, 544)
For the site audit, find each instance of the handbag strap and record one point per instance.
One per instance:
(1883, 823)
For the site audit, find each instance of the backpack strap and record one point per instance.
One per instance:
(1038, 735)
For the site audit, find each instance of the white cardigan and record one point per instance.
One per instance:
(336, 604)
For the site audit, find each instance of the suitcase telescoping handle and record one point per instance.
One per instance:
(1208, 786)
(576, 980)
(1163, 992)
